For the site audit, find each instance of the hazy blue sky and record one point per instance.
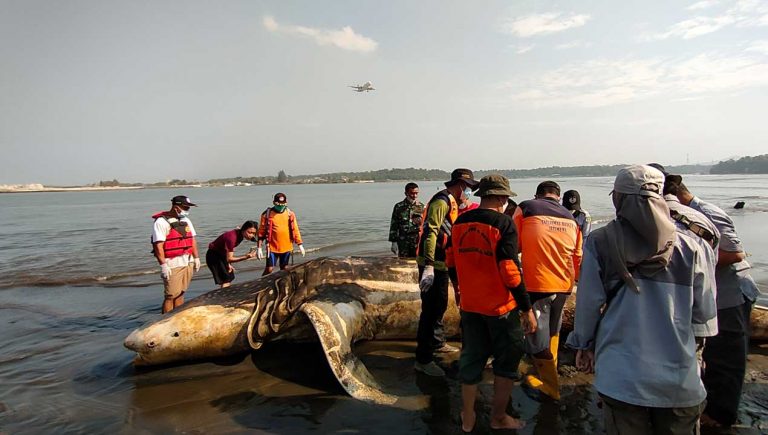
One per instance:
(154, 90)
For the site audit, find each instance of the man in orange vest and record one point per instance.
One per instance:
(175, 247)
(278, 228)
(484, 268)
(550, 244)
(439, 216)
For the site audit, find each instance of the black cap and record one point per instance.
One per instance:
(462, 174)
(659, 167)
(671, 181)
(572, 200)
(182, 200)
(547, 186)
(672, 184)
(280, 198)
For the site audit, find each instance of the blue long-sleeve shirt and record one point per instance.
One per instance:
(709, 329)
(734, 283)
(645, 353)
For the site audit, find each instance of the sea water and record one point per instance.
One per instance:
(102, 238)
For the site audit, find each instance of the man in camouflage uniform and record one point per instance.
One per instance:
(405, 224)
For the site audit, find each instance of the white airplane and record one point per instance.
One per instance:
(367, 86)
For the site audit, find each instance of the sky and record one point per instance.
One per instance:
(145, 91)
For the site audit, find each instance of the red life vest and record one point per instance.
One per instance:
(179, 240)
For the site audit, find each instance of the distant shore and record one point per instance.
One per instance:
(33, 188)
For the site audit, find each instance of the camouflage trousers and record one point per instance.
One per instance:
(406, 249)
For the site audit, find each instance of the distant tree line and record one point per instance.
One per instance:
(584, 171)
(744, 165)
(115, 183)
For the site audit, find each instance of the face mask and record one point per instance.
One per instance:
(183, 213)
(280, 208)
(467, 193)
(463, 205)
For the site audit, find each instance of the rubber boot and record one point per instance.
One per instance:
(533, 381)
(554, 343)
(548, 377)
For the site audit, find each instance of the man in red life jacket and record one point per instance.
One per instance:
(174, 246)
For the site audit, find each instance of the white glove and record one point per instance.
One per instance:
(427, 278)
(165, 271)
(260, 254)
(197, 264)
(302, 250)
(394, 248)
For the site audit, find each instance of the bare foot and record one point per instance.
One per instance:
(506, 422)
(708, 421)
(468, 424)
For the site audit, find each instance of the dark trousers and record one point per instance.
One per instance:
(725, 362)
(434, 302)
(406, 249)
(622, 418)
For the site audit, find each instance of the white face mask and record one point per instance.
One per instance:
(183, 213)
(467, 192)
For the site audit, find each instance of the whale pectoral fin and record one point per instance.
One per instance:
(336, 324)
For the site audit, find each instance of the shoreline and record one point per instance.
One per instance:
(38, 188)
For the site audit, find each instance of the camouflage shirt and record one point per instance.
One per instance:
(406, 221)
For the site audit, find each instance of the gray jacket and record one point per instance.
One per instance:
(644, 342)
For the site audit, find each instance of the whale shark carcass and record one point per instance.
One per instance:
(345, 300)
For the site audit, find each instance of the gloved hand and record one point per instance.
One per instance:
(260, 254)
(427, 278)
(165, 271)
(302, 250)
(394, 248)
(197, 264)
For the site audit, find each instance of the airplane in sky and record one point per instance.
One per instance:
(367, 86)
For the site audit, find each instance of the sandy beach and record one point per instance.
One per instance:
(64, 370)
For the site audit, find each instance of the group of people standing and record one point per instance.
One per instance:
(662, 311)
(174, 245)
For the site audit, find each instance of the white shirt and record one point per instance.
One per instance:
(160, 231)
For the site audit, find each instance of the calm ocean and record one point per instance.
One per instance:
(102, 238)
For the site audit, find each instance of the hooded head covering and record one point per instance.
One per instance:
(642, 235)
(572, 200)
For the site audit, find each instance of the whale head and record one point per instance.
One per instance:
(192, 333)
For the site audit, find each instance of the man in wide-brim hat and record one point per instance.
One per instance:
(442, 210)
(485, 270)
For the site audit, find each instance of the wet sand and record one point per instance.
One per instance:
(63, 370)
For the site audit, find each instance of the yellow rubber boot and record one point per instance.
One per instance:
(550, 381)
(554, 343)
(533, 381)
